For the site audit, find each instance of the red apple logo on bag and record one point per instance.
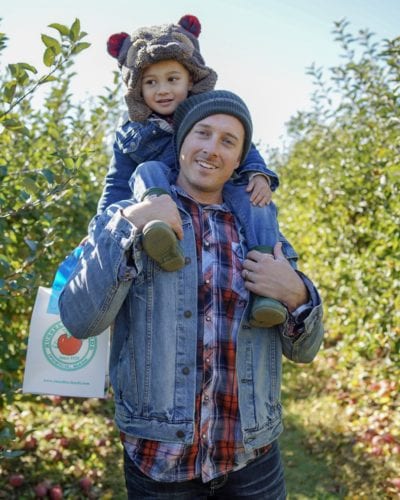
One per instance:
(68, 345)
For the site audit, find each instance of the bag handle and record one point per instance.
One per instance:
(62, 275)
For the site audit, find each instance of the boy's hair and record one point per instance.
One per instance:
(159, 43)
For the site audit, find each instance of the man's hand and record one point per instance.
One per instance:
(155, 208)
(272, 276)
(260, 190)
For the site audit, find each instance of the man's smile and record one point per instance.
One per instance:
(205, 164)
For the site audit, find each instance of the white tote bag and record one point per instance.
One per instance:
(59, 364)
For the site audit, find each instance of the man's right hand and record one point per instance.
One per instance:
(155, 208)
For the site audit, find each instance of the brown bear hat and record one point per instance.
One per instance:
(152, 44)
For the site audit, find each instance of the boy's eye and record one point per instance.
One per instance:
(149, 82)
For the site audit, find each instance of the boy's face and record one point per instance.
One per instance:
(165, 84)
(209, 155)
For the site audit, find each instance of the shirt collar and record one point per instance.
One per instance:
(180, 193)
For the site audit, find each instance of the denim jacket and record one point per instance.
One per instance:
(153, 353)
(137, 142)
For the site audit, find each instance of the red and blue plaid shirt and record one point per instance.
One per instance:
(218, 442)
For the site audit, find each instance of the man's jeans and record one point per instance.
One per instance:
(262, 479)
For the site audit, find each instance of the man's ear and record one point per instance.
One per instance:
(238, 161)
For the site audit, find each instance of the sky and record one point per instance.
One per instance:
(259, 48)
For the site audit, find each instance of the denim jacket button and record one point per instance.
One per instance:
(187, 314)
(180, 434)
(185, 370)
(188, 260)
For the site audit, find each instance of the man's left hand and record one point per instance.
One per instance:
(272, 276)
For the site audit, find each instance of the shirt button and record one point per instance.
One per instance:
(206, 398)
(180, 434)
(207, 360)
(207, 282)
(208, 318)
(204, 436)
(187, 314)
(185, 370)
(207, 244)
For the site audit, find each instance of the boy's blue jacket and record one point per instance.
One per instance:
(138, 142)
(154, 342)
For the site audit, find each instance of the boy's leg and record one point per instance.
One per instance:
(149, 178)
(159, 241)
(262, 233)
(265, 311)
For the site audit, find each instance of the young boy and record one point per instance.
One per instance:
(161, 66)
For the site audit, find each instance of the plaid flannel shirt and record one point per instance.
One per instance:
(217, 448)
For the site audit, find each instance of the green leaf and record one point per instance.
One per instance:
(47, 79)
(80, 46)
(69, 162)
(48, 174)
(51, 42)
(9, 90)
(7, 434)
(61, 28)
(75, 30)
(13, 68)
(49, 57)
(12, 124)
(28, 67)
(12, 454)
(30, 185)
(31, 244)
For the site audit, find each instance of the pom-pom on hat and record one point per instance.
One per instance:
(197, 107)
(149, 45)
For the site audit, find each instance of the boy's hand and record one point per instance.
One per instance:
(261, 193)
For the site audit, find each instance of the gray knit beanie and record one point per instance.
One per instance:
(152, 44)
(197, 107)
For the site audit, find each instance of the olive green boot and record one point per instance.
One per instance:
(265, 311)
(161, 244)
(159, 240)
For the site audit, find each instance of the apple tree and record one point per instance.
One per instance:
(52, 162)
(340, 200)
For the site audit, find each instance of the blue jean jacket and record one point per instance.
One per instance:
(153, 353)
(136, 143)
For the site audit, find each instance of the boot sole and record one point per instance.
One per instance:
(161, 244)
(267, 312)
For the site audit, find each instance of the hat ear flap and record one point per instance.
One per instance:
(115, 42)
(138, 110)
(205, 84)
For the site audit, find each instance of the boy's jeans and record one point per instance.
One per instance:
(262, 479)
(260, 223)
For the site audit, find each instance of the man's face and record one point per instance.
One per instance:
(209, 155)
(165, 84)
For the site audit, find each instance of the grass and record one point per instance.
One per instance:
(324, 452)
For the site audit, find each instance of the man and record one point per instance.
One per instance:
(197, 388)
